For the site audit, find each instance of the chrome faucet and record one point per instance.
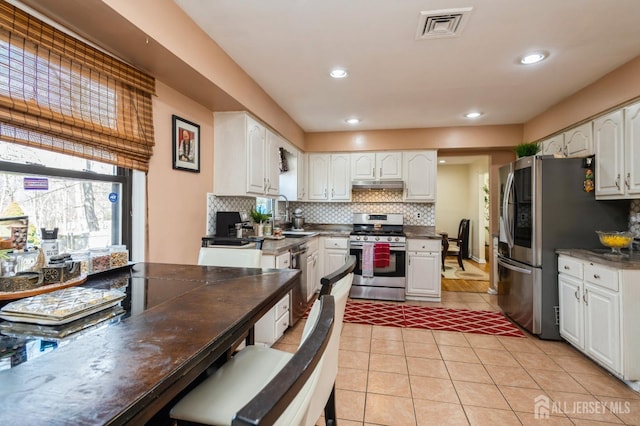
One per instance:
(286, 208)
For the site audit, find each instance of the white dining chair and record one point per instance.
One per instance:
(338, 284)
(253, 373)
(225, 256)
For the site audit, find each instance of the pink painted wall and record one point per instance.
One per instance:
(176, 201)
(467, 137)
(620, 86)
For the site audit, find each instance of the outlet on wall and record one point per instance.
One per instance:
(419, 215)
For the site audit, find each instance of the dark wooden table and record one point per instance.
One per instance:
(445, 246)
(182, 318)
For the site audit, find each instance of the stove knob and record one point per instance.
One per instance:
(389, 239)
(397, 238)
(365, 238)
(377, 238)
(358, 238)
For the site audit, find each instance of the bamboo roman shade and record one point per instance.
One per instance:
(60, 94)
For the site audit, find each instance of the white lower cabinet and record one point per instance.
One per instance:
(335, 252)
(599, 313)
(313, 263)
(273, 324)
(423, 269)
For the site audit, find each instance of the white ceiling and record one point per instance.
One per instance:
(396, 81)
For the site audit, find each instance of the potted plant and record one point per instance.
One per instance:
(258, 219)
(527, 148)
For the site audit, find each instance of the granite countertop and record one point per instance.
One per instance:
(276, 247)
(630, 260)
(413, 231)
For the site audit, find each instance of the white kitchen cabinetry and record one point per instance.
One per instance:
(419, 171)
(609, 147)
(376, 166)
(329, 177)
(301, 170)
(552, 146)
(598, 314)
(313, 265)
(423, 269)
(293, 182)
(281, 261)
(617, 145)
(273, 324)
(576, 142)
(245, 156)
(335, 251)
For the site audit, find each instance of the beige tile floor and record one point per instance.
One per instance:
(400, 376)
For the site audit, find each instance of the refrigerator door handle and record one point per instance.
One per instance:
(508, 222)
(504, 262)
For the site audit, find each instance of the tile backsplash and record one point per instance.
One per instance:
(422, 214)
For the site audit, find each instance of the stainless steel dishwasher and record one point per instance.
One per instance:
(299, 294)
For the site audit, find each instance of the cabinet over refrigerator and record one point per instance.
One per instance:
(544, 207)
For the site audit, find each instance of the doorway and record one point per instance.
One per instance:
(461, 182)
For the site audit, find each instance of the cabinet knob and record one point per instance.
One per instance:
(566, 267)
(596, 276)
(576, 294)
(627, 180)
(584, 297)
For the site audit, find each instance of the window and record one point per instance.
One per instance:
(84, 199)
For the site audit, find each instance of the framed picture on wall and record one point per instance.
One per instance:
(186, 145)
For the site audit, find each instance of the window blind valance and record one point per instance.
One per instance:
(59, 93)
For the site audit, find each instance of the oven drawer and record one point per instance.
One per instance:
(424, 245)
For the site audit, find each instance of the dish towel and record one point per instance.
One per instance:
(381, 257)
(368, 255)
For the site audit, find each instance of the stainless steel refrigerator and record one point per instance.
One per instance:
(543, 207)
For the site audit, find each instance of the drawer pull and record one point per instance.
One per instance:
(567, 267)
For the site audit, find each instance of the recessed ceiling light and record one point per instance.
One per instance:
(352, 120)
(338, 73)
(474, 114)
(532, 58)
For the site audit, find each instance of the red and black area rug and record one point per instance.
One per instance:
(445, 319)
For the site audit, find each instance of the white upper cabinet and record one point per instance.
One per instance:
(576, 142)
(632, 150)
(376, 165)
(329, 177)
(609, 146)
(272, 163)
(419, 171)
(246, 156)
(553, 146)
(617, 145)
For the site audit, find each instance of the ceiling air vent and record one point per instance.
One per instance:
(442, 23)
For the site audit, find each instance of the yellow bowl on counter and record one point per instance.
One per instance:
(615, 240)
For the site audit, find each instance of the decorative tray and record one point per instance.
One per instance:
(61, 306)
(63, 331)
(47, 288)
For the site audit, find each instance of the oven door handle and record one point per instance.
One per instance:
(403, 248)
(299, 251)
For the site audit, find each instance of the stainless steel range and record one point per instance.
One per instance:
(379, 244)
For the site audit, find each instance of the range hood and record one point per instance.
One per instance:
(388, 185)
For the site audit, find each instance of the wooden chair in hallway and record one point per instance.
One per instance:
(459, 247)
